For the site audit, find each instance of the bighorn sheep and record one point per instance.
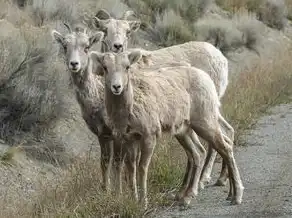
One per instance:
(88, 88)
(181, 100)
(117, 31)
(202, 55)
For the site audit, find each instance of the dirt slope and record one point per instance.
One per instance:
(265, 166)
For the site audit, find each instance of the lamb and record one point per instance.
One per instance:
(181, 100)
(89, 89)
(202, 55)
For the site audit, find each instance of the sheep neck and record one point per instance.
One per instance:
(88, 87)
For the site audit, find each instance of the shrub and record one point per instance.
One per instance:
(221, 33)
(250, 27)
(234, 5)
(170, 29)
(30, 84)
(273, 13)
(44, 11)
(227, 35)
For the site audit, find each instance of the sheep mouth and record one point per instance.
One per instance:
(120, 50)
(74, 70)
(116, 92)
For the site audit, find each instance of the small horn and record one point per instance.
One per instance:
(103, 14)
(127, 14)
(68, 27)
(98, 21)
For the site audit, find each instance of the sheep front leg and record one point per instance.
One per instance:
(147, 147)
(131, 168)
(106, 149)
(118, 160)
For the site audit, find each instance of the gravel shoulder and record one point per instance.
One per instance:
(265, 167)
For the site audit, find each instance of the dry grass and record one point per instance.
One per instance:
(250, 94)
(76, 191)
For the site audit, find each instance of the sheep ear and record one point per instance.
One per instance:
(58, 37)
(134, 25)
(103, 14)
(96, 37)
(98, 23)
(134, 57)
(97, 59)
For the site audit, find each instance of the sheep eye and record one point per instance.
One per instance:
(127, 67)
(86, 49)
(128, 32)
(65, 47)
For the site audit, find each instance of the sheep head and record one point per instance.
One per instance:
(76, 45)
(117, 31)
(116, 68)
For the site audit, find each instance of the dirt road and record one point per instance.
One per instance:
(266, 169)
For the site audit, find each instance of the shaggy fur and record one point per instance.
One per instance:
(141, 105)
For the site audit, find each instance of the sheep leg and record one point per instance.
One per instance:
(131, 169)
(184, 142)
(227, 127)
(211, 132)
(236, 186)
(222, 180)
(106, 150)
(147, 147)
(194, 146)
(207, 168)
(118, 160)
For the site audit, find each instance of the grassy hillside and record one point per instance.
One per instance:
(59, 174)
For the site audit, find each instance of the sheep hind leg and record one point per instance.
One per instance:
(211, 132)
(183, 140)
(198, 159)
(207, 168)
(228, 129)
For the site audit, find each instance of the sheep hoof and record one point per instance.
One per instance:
(229, 198)
(201, 185)
(185, 202)
(235, 202)
(171, 197)
(220, 182)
